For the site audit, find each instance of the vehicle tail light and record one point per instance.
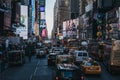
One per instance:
(98, 68)
(56, 78)
(88, 68)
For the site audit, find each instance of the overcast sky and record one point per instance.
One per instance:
(49, 15)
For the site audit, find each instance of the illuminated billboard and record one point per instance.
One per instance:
(42, 23)
(42, 9)
(70, 28)
(7, 20)
(42, 15)
(42, 2)
(23, 29)
(44, 33)
(33, 15)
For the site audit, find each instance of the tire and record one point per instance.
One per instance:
(1, 67)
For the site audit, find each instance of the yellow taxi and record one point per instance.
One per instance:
(91, 67)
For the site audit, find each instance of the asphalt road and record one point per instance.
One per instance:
(42, 71)
(38, 70)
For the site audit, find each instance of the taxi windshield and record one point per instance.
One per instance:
(65, 60)
(67, 74)
(91, 63)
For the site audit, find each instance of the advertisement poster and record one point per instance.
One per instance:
(114, 30)
(7, 20)
(33, 14)
(42, 23)
(44, 33)
(119, 17)
(23, 29)
(70, 27)
(17, 13)
(64, 29)
(42, 15)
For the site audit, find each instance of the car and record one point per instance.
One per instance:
(50, 51)
(51, 59)
(80, 56)
(57, 51)
(91, 67)
(68, 72)
(64, 59)
(40, 53)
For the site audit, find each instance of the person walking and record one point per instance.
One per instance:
(28, 51)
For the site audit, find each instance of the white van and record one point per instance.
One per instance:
(80, 56)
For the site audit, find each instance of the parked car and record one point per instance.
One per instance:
(52, 59)
(91, 67)
(68, 72)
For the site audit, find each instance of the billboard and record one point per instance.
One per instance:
(17, 14)
(7, 20)
(44, 32)
(23, 29)
(33, 14)
(64, 28)
(42, 2)
(42, 15)
(42, 9)
(70, 28)
(42, 23)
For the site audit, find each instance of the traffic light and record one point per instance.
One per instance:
(100, 17)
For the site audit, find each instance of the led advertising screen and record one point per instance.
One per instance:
(70, 28)
(64, 29)
(44, 33)
(7, 20)
(23, 29)
(42, 23)
(16, 12)
(42, 2)
(33, 15)
(42, 15)
(42, 9)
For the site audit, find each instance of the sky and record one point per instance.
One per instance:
(49, 15)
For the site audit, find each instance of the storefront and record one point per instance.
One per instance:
(112, 24)
(5, 16)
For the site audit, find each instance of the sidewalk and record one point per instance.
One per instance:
(20, 72)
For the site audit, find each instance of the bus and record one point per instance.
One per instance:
(112, 56)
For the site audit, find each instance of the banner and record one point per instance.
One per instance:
(70, 28)
(23, 29)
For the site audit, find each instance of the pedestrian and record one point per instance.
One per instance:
(28, 51)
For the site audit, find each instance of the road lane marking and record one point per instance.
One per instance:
(35, 70)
